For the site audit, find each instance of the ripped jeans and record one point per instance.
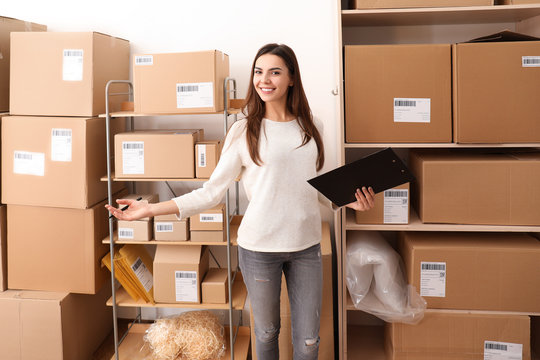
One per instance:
(303, 273)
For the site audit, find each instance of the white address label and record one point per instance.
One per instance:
(186, 286)
(29, 163)
(495, 350)
(143, 274)
(433, 279)
(194, 95)
(211, 218)
(133, 157)
(412, 110)
(396, 206)
(144, 60)
(72, 65)
(164, 227)
(61, 144)
(125, 233)
(530, 61)
(202, 155)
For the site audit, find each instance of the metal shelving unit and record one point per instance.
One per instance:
(238, 335)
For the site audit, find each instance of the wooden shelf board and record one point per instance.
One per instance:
(104, 178)
(440, 15)
(365, 342)
(239, 293)
(437, 145)
(134, 114)
(134, 348)
(416, 225)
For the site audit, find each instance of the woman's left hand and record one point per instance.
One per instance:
(365, 199)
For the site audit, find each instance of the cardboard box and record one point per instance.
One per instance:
(169, 228)
(385, 103)
(468, 187)
(8, 25)
(57, 249)
(207, 236)
(207, 154)
(156, 153)
(391, 207)
(495, 101)
(3, 248)
(326, 332)
(177, 83)
(54, 161)
(40, 325)
(474, 271)
(178, 273)
(390, 4)
(70, 77)
(452, 336)
(215, 287)
(138, 230)
(211, 219)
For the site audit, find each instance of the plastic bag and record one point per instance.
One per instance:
(376, 281)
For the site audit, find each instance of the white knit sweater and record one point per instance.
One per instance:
(283, 213)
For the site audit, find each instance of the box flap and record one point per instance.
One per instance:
(172, 254)
(503, 36)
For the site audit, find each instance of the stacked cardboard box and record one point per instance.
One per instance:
(139, 230)
(209, 225)
(169, 228)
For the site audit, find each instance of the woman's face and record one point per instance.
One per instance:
(271, 78)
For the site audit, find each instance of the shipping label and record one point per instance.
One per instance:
(125, 233)
(201, 160)
(211, 218)
(194, 95)
(396, 206)
(29, 163)
(530, 61)
(433, 279)
(133, 157)
(495, 350)
(143, 274)
(186, 286)
(164, 227)
(144, 60)
(412, 110)
(61, 148)
(72, 65)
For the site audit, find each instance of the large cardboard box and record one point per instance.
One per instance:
(3, 248)
(178, 273)
(392, 4)
(55, 161)
(207, 154)
(57, 249)
(169, 228)
(463, 336)
(39, 325)
(398, 93)
(391, 207)
(70, 77)
(326, 333)
(8, 25)
(496, 101)
(189, 82)
(476, 187)
(138, 230)
(156, 153)
(215, 286)
(474, 271)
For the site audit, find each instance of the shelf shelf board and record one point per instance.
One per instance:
(365, 342)
(239, 293)
(439, 16)
(114, 178)
(119, 114)
(437, 145)
(415, 224)
(134, 348)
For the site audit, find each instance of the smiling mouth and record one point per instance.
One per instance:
(266, 90)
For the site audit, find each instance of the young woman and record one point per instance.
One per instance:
(276, 148)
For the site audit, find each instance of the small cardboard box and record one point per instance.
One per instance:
(394, 4)
(169, 228)
(55, 161)
(469, 187)
(385, 103)
(207, 235)
(139, 230)
(57, 249)
(474, 271)
(391, 207)
(53, 325)
(207, 154)
(211, 219)
(156, 153)
(178, 273)
(8, 25)
(496, 101)
(70, 77)
(3, 248)
(215, 288)
(451, 336)
(177, 83)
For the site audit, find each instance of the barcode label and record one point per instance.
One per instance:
(530, 61)
(186, 286)
(496, 350)
(72, 65)
(202, 155)
(61, 144)
(133, 157)
(164, 227)
(412, 110)
(194, 95)
(143, 274)
(396, 193)
(29, 163)
(211, 217)
(144, 60)
(433, 279)
(396, 207)
(125, 233)
(185, 275)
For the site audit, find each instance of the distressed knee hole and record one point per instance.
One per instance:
(311, 342)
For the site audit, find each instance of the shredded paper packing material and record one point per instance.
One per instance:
(192, 335)
(376, 280)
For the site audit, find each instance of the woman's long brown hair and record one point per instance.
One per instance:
(297, 104)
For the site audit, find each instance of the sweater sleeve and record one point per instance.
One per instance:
(226, 171)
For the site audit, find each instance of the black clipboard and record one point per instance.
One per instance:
(382, 170)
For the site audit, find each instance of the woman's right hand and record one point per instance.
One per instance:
(136, 210)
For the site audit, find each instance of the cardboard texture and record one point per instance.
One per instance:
(149, 154)
(391, 207)
(453, 336)
(207, 236)
(54, 161)
(326, 332)
(394, 4)
(507, 77)
(215, 287)
(178, 273)
(139, 230)
(474, 271)
(169, 228)
(70, 77)
(207, 154)
(468, 187)
(3, 248)
(516, 2)
(177, 83)
(8, 25)
(385, 103)
(57, 249)
(211, 219)
(39, 325)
